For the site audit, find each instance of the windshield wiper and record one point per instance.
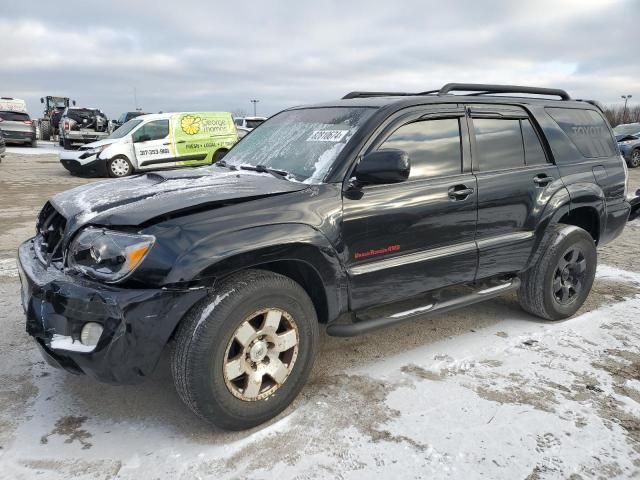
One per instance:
(263, 169)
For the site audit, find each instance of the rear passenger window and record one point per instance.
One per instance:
(433, 147)
(533, 151)
(586, 129)
(498, 143)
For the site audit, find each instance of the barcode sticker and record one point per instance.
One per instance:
(327, 135)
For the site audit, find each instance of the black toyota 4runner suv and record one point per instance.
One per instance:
(352, 215)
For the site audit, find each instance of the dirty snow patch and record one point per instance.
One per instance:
(8, 268)
(62, 342)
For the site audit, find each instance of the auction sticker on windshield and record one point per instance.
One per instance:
(327, 135)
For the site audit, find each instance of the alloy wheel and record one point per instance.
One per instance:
(569, 276)
(261, 354)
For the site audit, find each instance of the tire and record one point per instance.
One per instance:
(66, 144)
(34, 143)
(45, 130)
(206, 341)
(558, 285)
(634, 161)
(60, 141)
(119, 167)
(219, 155)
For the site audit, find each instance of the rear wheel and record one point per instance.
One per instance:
(66, 144)
(557, 286)
(244, 354)
(120, 167)
(634, 162)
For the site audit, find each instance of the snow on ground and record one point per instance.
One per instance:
(44, 147)
(516, 399)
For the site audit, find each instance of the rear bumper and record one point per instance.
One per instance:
(137, 323)
(617, 217)
(18, 136)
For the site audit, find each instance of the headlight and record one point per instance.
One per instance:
(97, 150)
(107, 255)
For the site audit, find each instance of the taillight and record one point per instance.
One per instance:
(66, 125)
(27, 122)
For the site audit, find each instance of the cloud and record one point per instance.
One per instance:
(217, 56)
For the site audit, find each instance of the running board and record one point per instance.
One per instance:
(366, 326)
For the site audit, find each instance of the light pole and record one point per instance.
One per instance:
(624, 110)
(254, 106)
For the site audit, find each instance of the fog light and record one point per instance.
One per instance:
(91, 334)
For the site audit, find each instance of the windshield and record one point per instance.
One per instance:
(627, 129)
(303, 142)
(125, 129)
(254, 123)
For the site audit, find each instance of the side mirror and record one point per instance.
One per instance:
(384, 166)
(41, 100)
(73, 102)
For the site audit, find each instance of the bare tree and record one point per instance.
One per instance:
(616, 114)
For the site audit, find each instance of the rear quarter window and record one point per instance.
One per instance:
(587, 130)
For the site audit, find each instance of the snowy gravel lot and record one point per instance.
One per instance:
(483, 392)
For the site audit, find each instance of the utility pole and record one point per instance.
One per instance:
(254, 106)
(624, 110)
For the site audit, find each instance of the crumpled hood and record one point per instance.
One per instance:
(136, 200)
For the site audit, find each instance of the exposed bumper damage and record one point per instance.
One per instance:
(83, 164)
(137, 322)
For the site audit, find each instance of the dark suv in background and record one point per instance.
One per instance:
(18, 128)
(350, 215)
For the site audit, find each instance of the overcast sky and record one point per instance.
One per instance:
(208, 55)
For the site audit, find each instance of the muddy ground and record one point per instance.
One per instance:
(486, 391)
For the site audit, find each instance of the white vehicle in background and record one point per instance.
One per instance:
(156, 141)
(248, 123)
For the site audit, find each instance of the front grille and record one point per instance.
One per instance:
(49, 235)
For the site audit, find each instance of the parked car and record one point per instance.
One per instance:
(351, 215)
(628, 137)
(242, 132)
(82, 125)
(249, 123)
(18, 128)
(149, 142)
(122, 119)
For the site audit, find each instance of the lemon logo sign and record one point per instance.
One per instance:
(190, 124)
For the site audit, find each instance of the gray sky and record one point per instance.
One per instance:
(208, 55)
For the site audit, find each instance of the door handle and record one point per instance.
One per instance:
(459, 192)
(543, 180)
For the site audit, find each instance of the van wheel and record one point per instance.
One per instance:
(219, 155)
(119, 167)
(244, 353)
(635, 158)
(557, 286)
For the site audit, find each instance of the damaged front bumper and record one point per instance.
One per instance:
(83, 163)
(137, 323)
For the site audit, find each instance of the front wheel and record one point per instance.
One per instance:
(635, 159)
(219, 155)
(560, 282)
(119, 167)
(243, 355)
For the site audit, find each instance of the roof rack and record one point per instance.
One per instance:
(482, 89)
(478, 88)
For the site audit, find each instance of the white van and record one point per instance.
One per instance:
(163, 140)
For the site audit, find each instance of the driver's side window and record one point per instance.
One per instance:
(433, 146)
(156, 130)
